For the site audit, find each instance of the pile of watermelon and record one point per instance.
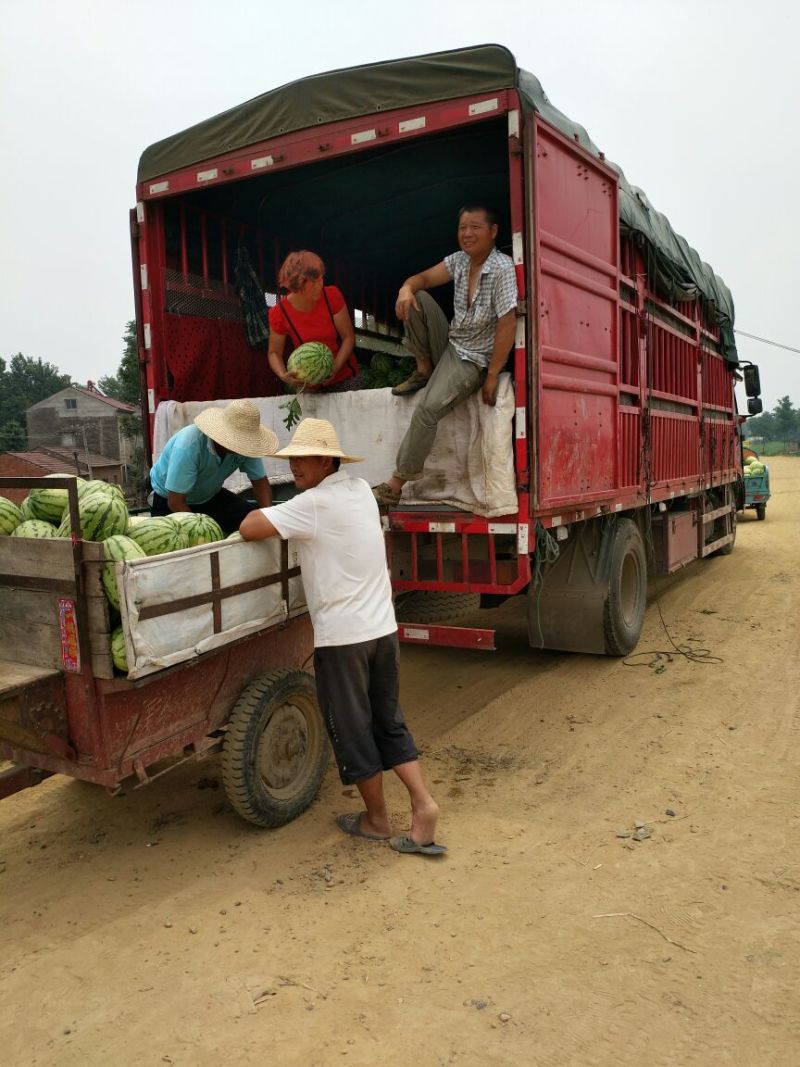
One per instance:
(753, 467)
(385, 371)
(104, 517)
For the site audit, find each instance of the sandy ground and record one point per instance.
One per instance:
(156, 928)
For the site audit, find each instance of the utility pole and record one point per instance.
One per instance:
(86, 452)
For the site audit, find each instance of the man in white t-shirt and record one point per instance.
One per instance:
(335, 527)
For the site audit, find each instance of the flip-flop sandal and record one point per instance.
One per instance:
(384, 494)
(407, 845)
(350, 823)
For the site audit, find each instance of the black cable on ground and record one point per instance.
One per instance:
(658, 658)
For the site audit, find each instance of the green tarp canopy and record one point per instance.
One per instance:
(675, 268)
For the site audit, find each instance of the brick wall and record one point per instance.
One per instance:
(11, 466)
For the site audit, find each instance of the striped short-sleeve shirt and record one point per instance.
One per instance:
(473, 327)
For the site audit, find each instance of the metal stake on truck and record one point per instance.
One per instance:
(614, 451)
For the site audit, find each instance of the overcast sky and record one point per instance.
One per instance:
(697, 100)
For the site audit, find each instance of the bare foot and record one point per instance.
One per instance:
(423, 822)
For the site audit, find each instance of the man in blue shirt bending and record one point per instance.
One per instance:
(189, 473)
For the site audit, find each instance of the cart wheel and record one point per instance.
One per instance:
(761, 512)
(276, 749)
(627, 590)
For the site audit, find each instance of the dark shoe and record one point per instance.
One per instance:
(410, 385)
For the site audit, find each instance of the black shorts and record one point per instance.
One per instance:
(358, 687)
(227, 508)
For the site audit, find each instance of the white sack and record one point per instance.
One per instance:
(471, 465)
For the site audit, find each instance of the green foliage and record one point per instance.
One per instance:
(12, 437)
(125, 384)
(781, 424)
(24, 382)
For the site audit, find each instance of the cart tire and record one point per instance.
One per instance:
(276, 749)
(435, 607)
(623, 615)
(761, 512)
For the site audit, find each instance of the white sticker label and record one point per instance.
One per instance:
(513, 123)
(151, 401)
(365, 135)
(522, 539)
(412, 124)
(140, 212)
(143, 274)
(441, 527)
(484, 106)
(159, 187)
(261, 162)
(207, 175)
(520, 430)
(147, 335)
(516, 246)
(520, 338)
(502, 528)
(416, 635)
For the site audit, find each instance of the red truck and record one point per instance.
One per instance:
(622, 435)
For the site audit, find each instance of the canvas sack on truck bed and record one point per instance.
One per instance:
(470, 466)
(155, 641)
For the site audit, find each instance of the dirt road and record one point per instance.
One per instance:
(156, 928)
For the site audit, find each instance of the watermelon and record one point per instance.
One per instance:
(35, 528)
(103, 513)
(118, 653)
(117, 547)
(311, 362)
(157, 535)
(199, 529)
(235, 536)
(50, 504)
(10, 516)
(26, 508)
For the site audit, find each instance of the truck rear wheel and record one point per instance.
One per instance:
(761, 512)
(276, 749)
(627, 590)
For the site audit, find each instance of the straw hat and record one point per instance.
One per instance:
(315, 437)
(238, 428)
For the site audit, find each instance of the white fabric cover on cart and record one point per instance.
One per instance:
(155, 643)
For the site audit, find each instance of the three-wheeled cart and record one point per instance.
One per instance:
(756, 485)
(217, 638)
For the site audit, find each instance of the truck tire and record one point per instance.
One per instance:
(276, 749)
(761, 512)
(627, 590)
(435, 607)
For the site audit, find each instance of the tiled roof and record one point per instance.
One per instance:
(62, 461)
(120, 405)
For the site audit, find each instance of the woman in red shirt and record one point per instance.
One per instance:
(310, 311)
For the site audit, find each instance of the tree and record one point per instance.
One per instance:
(124, 385)
(25, 381)
(12, 436)
(761, 426)
(787, 419)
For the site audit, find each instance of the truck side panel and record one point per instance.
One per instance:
(577, 236)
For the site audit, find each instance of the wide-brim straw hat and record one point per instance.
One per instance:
(315, 437)
(238, 428)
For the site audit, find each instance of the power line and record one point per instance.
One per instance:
(765, 341)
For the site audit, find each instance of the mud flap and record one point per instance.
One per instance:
(566, 610)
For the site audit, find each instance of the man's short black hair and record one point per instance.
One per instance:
(490, 213)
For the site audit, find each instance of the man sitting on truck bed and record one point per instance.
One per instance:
(453, 363)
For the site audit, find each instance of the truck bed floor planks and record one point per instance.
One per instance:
(625, 444)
